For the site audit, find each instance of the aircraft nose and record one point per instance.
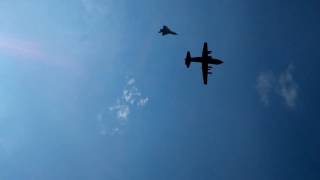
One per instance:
(220, 62)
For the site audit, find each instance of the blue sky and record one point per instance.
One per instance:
(90, 90)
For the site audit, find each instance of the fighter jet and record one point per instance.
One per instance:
(205, 59)
(165, 30)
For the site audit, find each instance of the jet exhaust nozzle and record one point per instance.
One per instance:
(188, 59)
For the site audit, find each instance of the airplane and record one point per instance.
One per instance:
(165, 30)
(205, 59)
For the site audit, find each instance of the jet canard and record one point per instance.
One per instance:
(205, 59)
(165, 31)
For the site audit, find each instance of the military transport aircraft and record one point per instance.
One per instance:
(206, 59)
(165, 30)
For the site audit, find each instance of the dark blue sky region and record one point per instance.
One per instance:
(90, 90)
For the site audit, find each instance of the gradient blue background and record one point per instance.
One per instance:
(62, 63)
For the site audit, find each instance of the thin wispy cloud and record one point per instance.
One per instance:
(23, 48)
(143, 102)
(131, 81)
(122, 110)
(19, 47)
(131, 96)
(119, 112)
(264, 86)
(288, 87)
(270, 85)
(94, 7)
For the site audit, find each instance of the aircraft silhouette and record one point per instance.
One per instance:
(206, 59)
(165, 30)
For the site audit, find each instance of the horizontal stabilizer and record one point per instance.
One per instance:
(188, 59)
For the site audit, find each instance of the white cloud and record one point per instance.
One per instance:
(95, 7)
(123, 111)
(264, 86)
(131, 81)
(16, 46)
(100, 9)
(131, 93)
(286, 87)
(115, 131)
(130, 99)
(143, 102)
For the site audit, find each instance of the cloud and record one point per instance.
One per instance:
(94, 7)
(268, 85)
(122, 110)
(143, 102)
(131, 81)
(22, 48)
(288, 87)
(19, 47)
(118, 113)
(130, 95)
(264, 86)
(97, 9)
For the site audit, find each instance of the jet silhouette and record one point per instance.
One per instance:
(205, 59)
(165, 31)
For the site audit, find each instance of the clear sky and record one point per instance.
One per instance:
(90, 90)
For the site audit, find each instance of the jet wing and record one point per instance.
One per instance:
(205, 51)
(205, 73)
